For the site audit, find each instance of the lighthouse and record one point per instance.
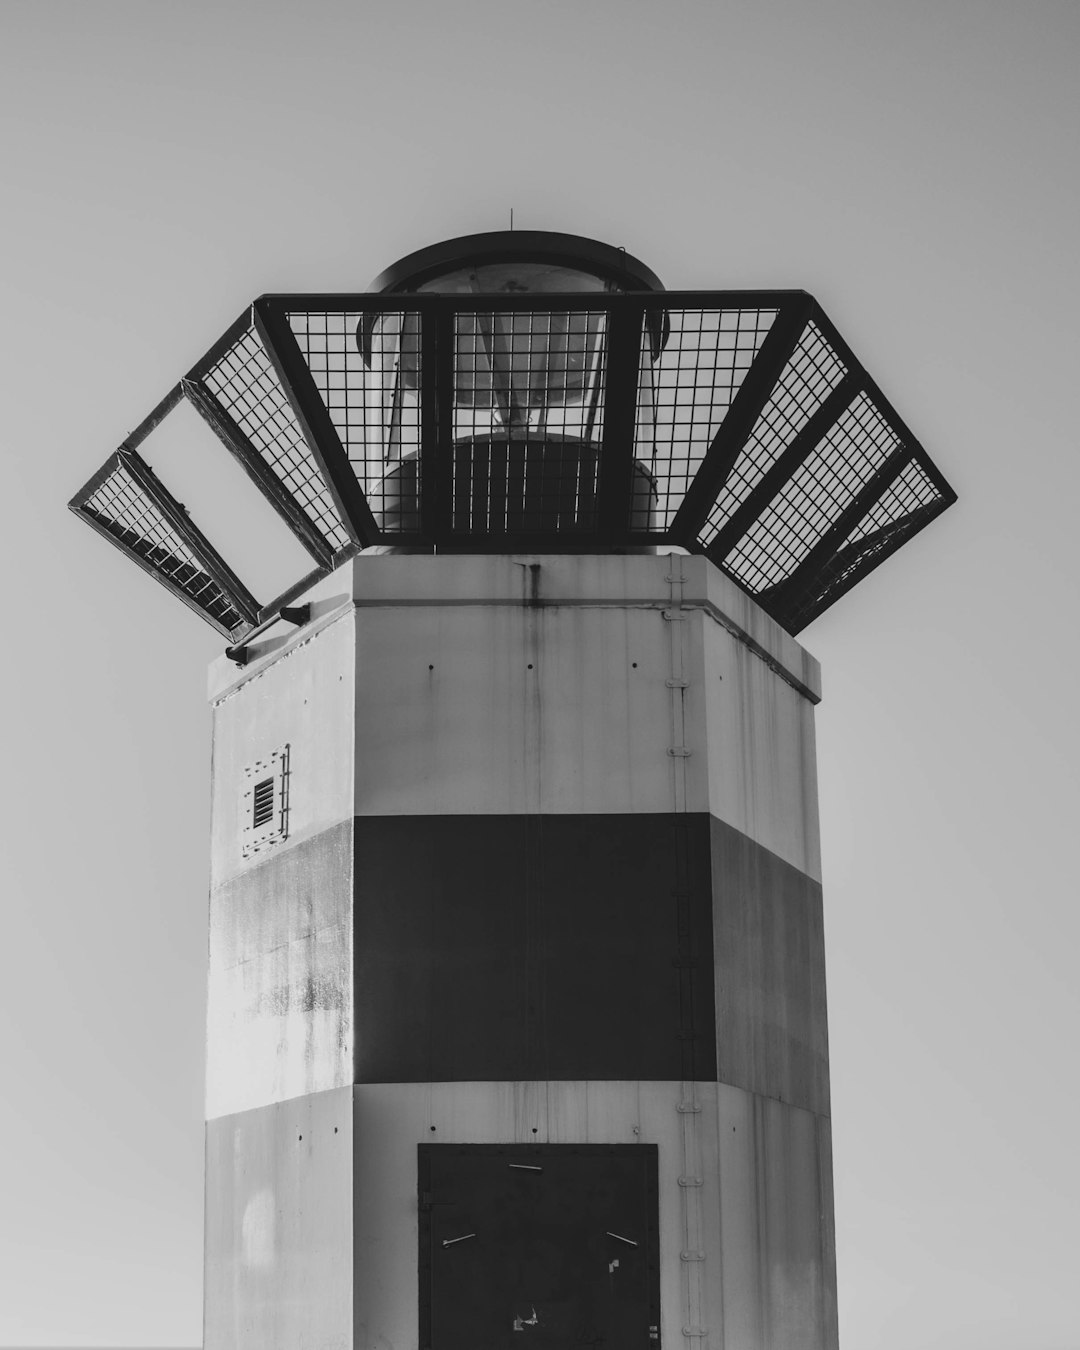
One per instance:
(516, 1028)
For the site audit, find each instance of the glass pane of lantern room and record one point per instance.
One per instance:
(523, 372)
(225, 504)
(377, 415)
(528, 372)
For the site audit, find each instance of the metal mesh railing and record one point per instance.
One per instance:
(685, 393)
(529, 374)
(528, 418)
(854, 448)
(913, 489)
(899, 513)
(367, 370)
(523, 486)
(475, 420)
(120, 506)
(246, 384)
(811, 374)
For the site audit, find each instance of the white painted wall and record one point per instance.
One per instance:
(302, 696)
(500, 684)
(760, 1206)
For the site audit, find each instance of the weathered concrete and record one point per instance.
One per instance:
(769, 953)
(312, 1227)
(532, 684)
(762, 760)
(778, 1279)
(518, 694)
(280, 984)
(279, 1226)
(304, 699)
(495, 947)
(504, 579)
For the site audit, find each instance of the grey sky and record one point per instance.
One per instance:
(915, 167)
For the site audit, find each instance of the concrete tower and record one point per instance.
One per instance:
(517, 1027)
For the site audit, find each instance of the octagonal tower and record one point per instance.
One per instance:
(517, 1026)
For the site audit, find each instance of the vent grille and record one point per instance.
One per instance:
(263, 797)
(264, 802)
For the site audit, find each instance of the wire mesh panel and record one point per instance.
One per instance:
(523, 486)
(367, 369)
(246, 384)
(119, 506)
(527, 420)
(856, 446)
(903, 509)
(686, 391)
(811, 374)
(913, 489)
(529, 373)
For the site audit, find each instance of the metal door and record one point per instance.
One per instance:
(543, 1247)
